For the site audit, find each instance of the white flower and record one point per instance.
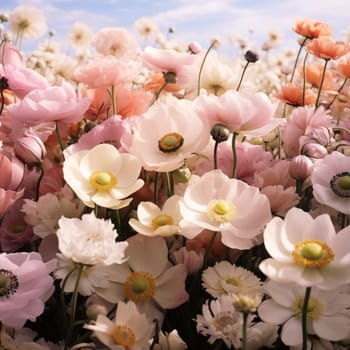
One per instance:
(220, 321)
(327, 313)
(146, 27)
(331, 181)
(130, 330)
(220, 204)
(27, 22)
(163, 144)
(44, 214)
(153, 221)
(306, 251)
(90, 241)
(261, 335)
(103, 176)
(80, 34)
(170, 341)
(225, 278)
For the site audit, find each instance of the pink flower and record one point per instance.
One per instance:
(300, 122)
(238, 111)
(28, 286)
(23, 80)
(106, 72)
(56, 103)
(9, 54)
(169, 61)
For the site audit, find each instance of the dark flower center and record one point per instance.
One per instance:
(340, 184)
(8, 283)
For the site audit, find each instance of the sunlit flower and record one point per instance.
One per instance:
(220, 321)
(293, 94)
(102, 176)
(306, 251)
(227, 279)
(80, 34)
(331, 181)
(90, 241)
(23, 298)
(153, 221)
(327, 48)
(146, 28)
(327, 311)
(311, 29)
(27, 22)
(218, 203)
(170, 341)
(44, 213)
(163, 144)
(130, 329)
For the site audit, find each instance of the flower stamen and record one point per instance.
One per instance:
(312, 253)
(170, 142)
(220, 210)
(314, 308)
(8, 283)
(162, 220)
(123, 335)
(102, 181)
(340, 184)
(140, 286)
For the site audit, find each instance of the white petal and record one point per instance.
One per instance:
(291, 332)
(332, 328)
(271, 312)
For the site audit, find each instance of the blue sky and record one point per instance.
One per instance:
(199, 20)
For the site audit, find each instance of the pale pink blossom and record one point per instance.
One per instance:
(56, 103)
(30, 148)
(23, 80)
(251, 113)
(9, 54)
(301, 121)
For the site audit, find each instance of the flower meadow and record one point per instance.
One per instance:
(167, 197)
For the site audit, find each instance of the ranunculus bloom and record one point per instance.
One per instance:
(55, 103)
(327, 48)
(163, 143)
(331, 181)
(306, 251)
(293, 95)
(238, 111)
(314, 73)
(26, 286)
(103, 176)
(218, 203)
(311, 29)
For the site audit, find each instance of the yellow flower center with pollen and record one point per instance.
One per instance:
(221, 211)
(162, 220)
(102, 181)
(170, 142)
(312, 253)
(314, 308)
(140, 286)
(123, 335)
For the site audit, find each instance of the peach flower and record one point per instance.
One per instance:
(311, 29)
(314, 73)
(293, 94)
(327, 48)
(9, 54)
(343, 66)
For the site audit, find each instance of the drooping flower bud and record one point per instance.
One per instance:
(220, 132)
(251, 56)
(182, 175)
(300, 167)
(30, 149)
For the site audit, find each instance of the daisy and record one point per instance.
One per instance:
(102, 176)
(25, 286)
(306, 251)
(153, 221)
(163, 144)
(327, 312)
(331, 181)
(80, 34)
(220, 321)
(227, 279)
(130, 329)
(220, 204)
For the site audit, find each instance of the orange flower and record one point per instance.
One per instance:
(156, 81)
(327, 48)
(293, 94)
(311, 29)
(343, 66)
(314, 73)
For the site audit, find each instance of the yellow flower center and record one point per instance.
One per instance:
(102, 181)
(170, 142)
(221, 211)
(314, 308)
(123, 335)
(162, 220)
(140, 286)
(232, 282)
(312, 253)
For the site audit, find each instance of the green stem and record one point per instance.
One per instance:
(304, 79)
(234, 155)
(299, 186)
(304, 317)
(170, 183)
(59, 137)
(242, 75)
(37, 189)
(114, 104)
(297, 58)
(244, 330)
(215, 155)
(155, 189)
(335, 96)
(202, 65)
(207, 251)
(322, 80)
(157, 94)
(74, 307)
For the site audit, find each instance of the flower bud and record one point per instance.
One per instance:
(246, 303)
(194, 47)
(300, 167)
(4, 17)
(220, 132)
(314, 150)
(182, 175)
(169, 77)
(30, 149)
(93, 310)
(251, 56)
